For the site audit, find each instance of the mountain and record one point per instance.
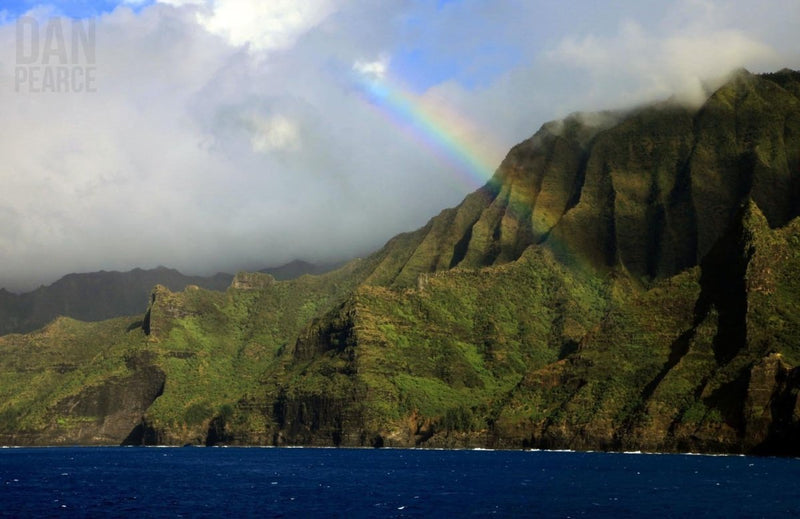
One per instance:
(297, 268)
(626, 281)
(93, 296)
(649, 191)
(97, 296)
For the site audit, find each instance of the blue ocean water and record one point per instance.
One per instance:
(268, 482)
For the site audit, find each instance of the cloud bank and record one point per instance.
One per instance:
(231, 134)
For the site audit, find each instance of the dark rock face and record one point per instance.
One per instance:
(662, 186)
(772, 408)
(115, 406)
(105, 413)
(318, 420)
(334, 333)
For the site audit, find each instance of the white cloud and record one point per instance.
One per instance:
(264, 26)
(274, 133)
(373, 69)
(192, 154)
(645, 63)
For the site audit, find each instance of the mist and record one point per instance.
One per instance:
(224, 135)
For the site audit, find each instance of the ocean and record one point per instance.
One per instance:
(287, 482)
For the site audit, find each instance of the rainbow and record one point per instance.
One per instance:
(429, 120)
(449, 135)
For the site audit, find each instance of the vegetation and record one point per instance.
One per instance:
(625, 285)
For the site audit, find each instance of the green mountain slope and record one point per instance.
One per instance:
(625, 281)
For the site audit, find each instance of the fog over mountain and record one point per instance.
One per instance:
(237, 134)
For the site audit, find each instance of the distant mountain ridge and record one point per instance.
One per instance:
(96, 296)
(297, 268)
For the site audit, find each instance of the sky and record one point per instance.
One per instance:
(221, 135)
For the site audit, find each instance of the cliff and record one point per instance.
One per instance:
(626, 281)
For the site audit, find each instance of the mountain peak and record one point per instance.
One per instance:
(297, 268)
(649, 189)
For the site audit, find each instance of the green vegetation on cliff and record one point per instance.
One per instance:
(626, 281)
